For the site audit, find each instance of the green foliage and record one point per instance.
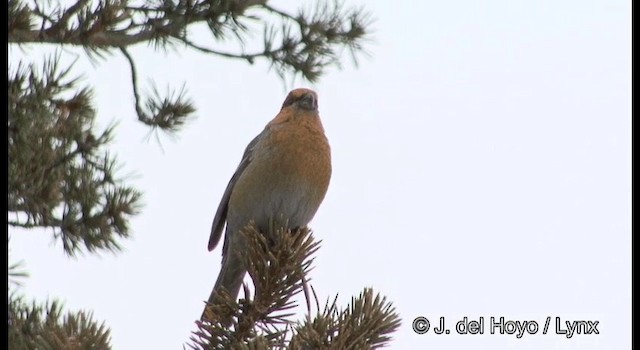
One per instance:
(61, 176)
(16, 272)
(43, 327)
(278, 267)
(364, 324)
(304, 44)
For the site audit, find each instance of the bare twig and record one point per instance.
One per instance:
(134, 83)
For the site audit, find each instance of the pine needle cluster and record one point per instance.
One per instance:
(279, 269)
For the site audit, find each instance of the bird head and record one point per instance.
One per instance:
(304, 99)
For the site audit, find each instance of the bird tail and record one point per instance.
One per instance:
(230, 279)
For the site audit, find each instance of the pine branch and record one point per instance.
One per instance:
(33, 326)
(366, 323)
(306, 44)
(115, 24)
(278, 266)
(60, 175)
(16, 271)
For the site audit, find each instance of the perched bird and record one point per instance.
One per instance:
(283, 177)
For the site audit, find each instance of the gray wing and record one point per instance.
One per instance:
(220, 218)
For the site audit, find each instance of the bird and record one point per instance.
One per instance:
(282, 179)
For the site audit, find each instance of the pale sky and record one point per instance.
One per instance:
(481, 167)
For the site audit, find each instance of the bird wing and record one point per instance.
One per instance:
(220, 218)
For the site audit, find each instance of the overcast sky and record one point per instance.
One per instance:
(481, 167)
